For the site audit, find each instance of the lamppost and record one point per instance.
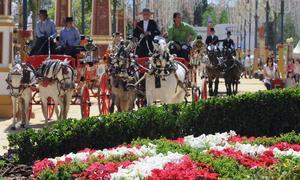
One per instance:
(256, 24)
(114, 16)
(282, 14)
(82, 17)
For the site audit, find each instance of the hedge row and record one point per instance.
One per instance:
(263, 113)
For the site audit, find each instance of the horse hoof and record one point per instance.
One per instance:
(13, 128)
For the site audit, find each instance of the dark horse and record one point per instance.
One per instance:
(213, 70)
(232, 72)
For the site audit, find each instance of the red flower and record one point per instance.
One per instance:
(284, 146)
(178, 141)
(40, 166)
(240, 139)
(265, 160)
(99, 171)
(187, 169)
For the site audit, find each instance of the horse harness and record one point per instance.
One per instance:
(57, 67)
(26, 81)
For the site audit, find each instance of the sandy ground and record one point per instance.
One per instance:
(246, 85)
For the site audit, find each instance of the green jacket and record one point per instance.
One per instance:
(182, 33)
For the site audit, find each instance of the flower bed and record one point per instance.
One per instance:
(266, 113)
(213, 156)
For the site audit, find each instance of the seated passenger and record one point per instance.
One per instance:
(45, 28)
(69, 38)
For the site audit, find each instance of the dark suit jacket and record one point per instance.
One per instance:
(142, 50)
(228, 43)
(210, 40)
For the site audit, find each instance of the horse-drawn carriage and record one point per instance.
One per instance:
(162, 77)
(58, 80)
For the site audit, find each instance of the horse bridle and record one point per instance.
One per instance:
(20, 89)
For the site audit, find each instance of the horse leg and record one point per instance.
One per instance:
(216, 87)
(67, 100)
(44, 109)
(210, 90)
(22, 112)
(14, 103)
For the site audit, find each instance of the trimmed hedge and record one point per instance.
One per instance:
(263, 113)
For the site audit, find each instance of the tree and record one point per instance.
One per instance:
(76, 13)
(200, 9)
(290, 29)
(185, 16)
(224, 17)
(209, 13)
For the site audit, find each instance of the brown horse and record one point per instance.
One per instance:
(232, 74)
(213, 72)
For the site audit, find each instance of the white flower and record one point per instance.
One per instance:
(278, 153)
(252, 150)
(209, 141)
(143, 167)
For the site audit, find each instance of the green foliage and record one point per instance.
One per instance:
(263, 113)
(211, 14)
(76, 12)
(224, 17)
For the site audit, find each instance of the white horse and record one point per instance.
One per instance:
(57, 80)
(20, 79)
(167, 79)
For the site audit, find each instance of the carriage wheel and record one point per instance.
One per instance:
(204, 89)
(85, 102)
(50, 107)
(104, 95)
(95, 88)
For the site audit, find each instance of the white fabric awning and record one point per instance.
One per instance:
(296, 51)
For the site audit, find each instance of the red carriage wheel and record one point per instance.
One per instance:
(104, 95)
(50, 107)
(95, 88)
(204, 89)
(85, 102)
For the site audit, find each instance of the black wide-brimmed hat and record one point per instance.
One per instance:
(43, 12)
(146, 10)
(228, 33)
(69, 19)
(212, 29)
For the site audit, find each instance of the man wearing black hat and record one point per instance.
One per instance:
(69, 38)
(45, 28)
(145, 31)
(212, 39)
(228, 42)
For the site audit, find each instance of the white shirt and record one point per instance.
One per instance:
(146, 25)
(247, 62)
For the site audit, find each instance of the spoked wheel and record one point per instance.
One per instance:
(104, 95)
(50, 107)
(204, 89)
(195, 94)
(85, 101)
(95, 88)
